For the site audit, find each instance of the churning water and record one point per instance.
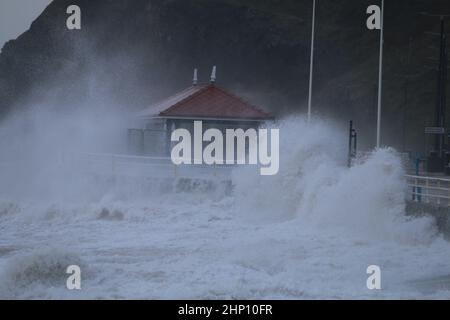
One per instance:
(309, 232)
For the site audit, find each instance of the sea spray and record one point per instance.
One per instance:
(316, 189)
(37, 270)
(309, 232)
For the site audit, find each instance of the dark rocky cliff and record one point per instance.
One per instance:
(134, 52)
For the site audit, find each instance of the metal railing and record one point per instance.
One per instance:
(151, 167)
(420, 189)
(429, 190)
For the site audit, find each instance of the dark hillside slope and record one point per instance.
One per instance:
(134, 52)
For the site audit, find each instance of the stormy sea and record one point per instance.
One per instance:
(309, 232)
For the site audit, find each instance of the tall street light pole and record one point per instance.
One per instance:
(380, 77)
(311, 67)
(442, 82)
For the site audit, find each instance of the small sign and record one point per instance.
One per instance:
(434, 130)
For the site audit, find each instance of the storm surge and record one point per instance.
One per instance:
(308, 232)
(316, 189)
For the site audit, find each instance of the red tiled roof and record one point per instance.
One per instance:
(208, 101)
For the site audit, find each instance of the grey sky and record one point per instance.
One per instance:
(16, 17)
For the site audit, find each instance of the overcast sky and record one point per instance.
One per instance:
(16, 17)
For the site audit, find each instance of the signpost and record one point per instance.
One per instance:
(434, 130)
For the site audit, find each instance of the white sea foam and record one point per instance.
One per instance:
(30, 274)
(309, 232)
(316, 189)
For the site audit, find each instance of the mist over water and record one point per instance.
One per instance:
(308, 232)
(39, 147)
(317, 190)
